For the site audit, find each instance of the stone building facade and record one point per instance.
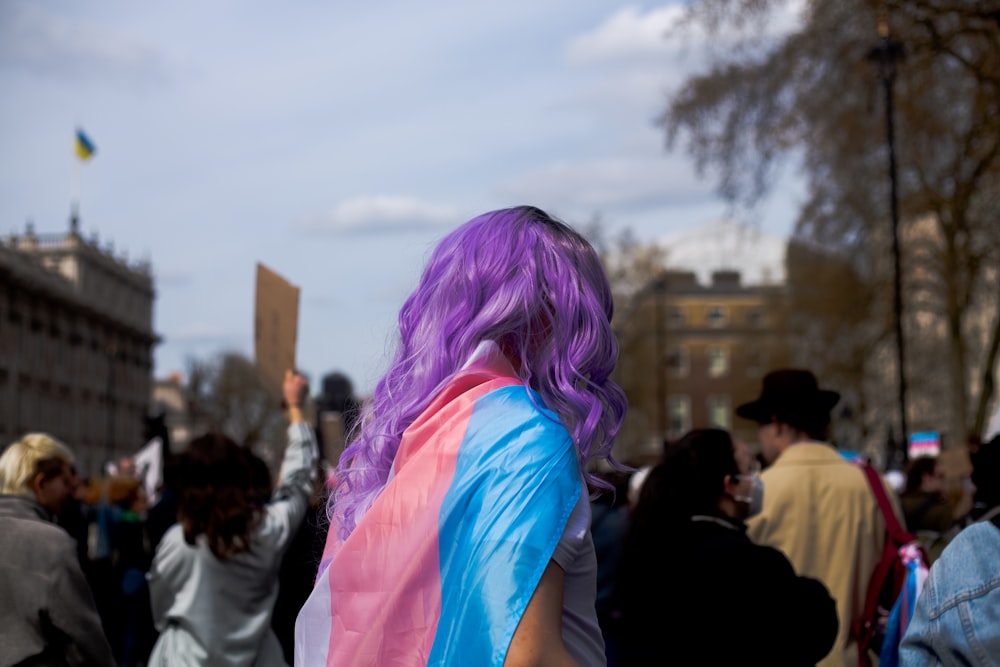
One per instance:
(76, 344)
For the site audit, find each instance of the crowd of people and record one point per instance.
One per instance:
(466, 523)
(802, 544)
(95, 576)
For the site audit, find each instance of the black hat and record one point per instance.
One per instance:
(789, 391)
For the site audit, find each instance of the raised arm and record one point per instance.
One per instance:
(298, 468)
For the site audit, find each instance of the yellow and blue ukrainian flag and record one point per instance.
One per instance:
(85, 148)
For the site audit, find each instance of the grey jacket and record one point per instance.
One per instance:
(218, 613)
(47, 612)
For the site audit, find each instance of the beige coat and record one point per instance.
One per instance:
(819, 511)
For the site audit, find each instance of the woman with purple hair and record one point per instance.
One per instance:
(460, 521)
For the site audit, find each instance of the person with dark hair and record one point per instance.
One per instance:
(129, 623)
(214, 579)
(163, 514)
(956, 620)
(298, 569)
(338, 397)
(919, 473)
(337, 412)
(609, 520)
(460, 522)
(986, 480)
(261, 484)
(927, 512)
(819, 509)
(687, 561)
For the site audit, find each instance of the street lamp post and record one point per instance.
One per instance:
(659, 287)
(885, 55)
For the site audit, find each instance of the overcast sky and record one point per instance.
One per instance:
(336, 142)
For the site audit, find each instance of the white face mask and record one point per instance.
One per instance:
(755, 501)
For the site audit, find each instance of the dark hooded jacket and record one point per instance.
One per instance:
(704, 594)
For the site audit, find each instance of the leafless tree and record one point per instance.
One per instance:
(812, 95)
(226, 394)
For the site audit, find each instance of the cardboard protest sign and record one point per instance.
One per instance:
(276, 319)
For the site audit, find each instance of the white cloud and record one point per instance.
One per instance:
(380, 213)
(608, 183)
(632, 62)
(626, 35)
(662, 36)
(68, 48)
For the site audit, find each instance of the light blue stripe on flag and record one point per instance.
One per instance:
(516, 483)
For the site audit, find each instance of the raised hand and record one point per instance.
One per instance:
(294, 389)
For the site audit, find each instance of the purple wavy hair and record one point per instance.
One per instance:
(531, 284)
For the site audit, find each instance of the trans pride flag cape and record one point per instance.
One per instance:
(441, 568)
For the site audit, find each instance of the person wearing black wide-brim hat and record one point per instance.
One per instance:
(793, 404)
(818, 508)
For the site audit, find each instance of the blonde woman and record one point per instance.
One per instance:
(48, 614)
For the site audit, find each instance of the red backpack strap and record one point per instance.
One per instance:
(896, 537)
(896, 531)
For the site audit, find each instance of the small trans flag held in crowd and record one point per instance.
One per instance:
(902, 611)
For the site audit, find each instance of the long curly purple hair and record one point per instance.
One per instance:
(531, 284)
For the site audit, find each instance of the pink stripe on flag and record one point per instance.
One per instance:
(387, 573)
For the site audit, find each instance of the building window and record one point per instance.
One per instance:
(720, 412)
(718, 362)
(756, 318)
(715, 316)
(678, 362)
(756, 363)
(675, 317)
(679, 414)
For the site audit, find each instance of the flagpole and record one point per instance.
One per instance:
(74, 197)
(84, 151)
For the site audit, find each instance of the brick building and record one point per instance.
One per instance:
(692, 352)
